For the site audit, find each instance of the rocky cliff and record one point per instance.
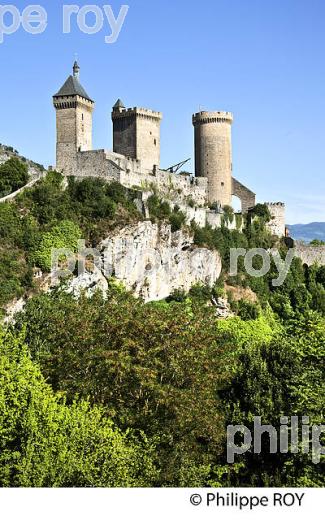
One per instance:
(152, 261)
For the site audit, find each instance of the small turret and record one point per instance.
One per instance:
(119, 105)
(76, 70)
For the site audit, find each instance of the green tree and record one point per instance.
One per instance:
(45, 443)
(13, 175)
(65, 235)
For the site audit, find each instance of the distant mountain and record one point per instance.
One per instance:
(308, 232)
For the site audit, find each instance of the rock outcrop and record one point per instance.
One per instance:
(90, 282)
(152, 262)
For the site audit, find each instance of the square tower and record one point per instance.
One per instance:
(136, 134)
(74, 110)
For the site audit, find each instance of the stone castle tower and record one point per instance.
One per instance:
(74, 110)
(136, 134)
(213, 155)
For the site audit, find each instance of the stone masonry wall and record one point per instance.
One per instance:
(136, 134)
(74, 131)
(213, 154)
(277, 224)
(115, 167)
(310, 255)
(246, 196)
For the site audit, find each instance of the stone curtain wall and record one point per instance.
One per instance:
(115, 167)
(310, 255)
(96, 163)
(246, 196)
(177, 189)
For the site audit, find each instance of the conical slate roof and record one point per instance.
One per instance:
(119, 104)
(73, 87)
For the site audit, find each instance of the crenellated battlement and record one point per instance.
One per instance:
(279, 205)
(137, 112)
(201, 118)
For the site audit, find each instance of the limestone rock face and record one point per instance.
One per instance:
(152, 261)
(89, 282)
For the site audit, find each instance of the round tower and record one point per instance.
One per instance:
(213, 156)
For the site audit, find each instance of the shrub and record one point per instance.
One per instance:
(177, 219)
(64, 235)
(261, 210)
(228, 214)
(248, 310)
(317, 242)
(158, 209)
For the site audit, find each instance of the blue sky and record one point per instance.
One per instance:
(261, 59)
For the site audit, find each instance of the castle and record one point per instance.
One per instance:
(135, 159)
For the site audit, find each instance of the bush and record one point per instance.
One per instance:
(262, 211)
(10, 225)
(177, 219)
(158, 209)
(248, 310)
(64, 235)
(317, 242)
(228, 214)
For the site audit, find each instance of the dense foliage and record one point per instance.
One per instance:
(51, 215)
(46, 443)
(160, 210)
(180, 375)
(109, 391)
(13, 175)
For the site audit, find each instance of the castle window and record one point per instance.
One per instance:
(222, 184)
(82, 116)
(155, 141)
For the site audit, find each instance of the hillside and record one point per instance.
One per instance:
(142, 391)
(35, 170)
(308, 232)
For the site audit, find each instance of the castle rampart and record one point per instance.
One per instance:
(310, 255)
(135, 160)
